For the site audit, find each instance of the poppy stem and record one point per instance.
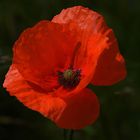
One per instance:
(71, 134)
(68, 134)
(65, 134)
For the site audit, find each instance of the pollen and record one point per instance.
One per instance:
(70, 78)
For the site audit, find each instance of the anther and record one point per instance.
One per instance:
(69, 78)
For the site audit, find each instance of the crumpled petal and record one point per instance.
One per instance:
(81, 110)
(98, 44)
(44, 103)
(41, 51)
(73, 112)
(110, 67)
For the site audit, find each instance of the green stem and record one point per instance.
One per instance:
(65, 134)
(68, 134)
(71, 134)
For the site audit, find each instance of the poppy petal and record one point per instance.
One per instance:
(47, 105)
(41, 51)
(81, 110)
(99, 49)
(74, 112)
(110, 67)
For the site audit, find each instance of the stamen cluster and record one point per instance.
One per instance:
(70, 78)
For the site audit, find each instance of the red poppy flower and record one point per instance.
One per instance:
(55, 60)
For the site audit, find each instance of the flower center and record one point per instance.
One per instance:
(69, 78)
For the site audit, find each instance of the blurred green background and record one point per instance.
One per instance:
(120, 104)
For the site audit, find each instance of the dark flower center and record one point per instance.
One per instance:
(70, 78)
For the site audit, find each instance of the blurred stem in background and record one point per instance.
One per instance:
(68, 134)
